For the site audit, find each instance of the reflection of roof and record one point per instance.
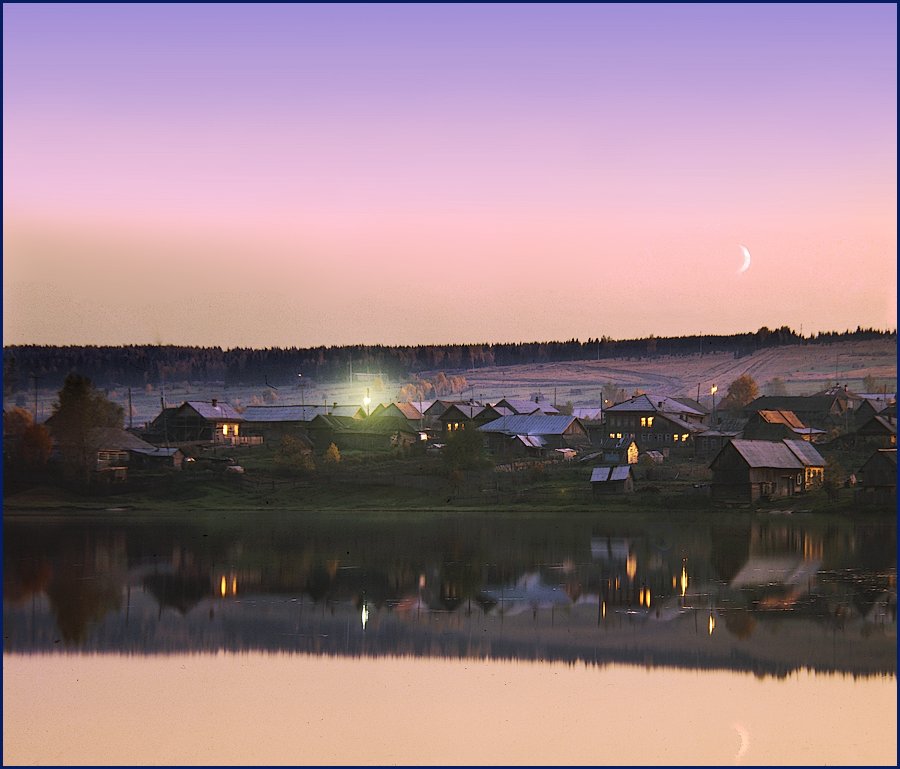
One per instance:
(772, 570)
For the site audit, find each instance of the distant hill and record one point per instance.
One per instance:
(156, 365)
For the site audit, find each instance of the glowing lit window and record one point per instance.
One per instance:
(674, 439)
(684, 437)
(612, 435)
(234, 429)
(618, 435)
(649, 421)
(224, 429)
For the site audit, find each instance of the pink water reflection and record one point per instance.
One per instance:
(260, 708)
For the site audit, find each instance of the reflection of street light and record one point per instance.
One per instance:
(366, 401)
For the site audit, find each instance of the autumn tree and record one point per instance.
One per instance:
(26, 446)
(294, 456)
(741, 391)
(332, 455)
(81, 408)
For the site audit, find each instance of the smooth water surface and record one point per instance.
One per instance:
(470, 638)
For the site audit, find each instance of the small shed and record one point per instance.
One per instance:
(617, 479)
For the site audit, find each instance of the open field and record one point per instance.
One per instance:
(804, 369)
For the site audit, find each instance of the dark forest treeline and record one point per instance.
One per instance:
(158, 364)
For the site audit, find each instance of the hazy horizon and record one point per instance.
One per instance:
(303, 175)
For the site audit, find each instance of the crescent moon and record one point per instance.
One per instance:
(746, 263)
(745, 741)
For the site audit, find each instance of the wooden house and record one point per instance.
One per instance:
(616, 479)
(371, 434)
(749, 470)
(775, 424)
(877, 478)
(116, 452)
(823, 411)
(880, 429)
(872, 406)
(710, 442)
(197, 421)
(534, 431)
(461, 416)
(655, 422)
(616, 451)
(525, 406)
(274, 422)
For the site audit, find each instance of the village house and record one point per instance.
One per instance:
(534, 434)
(877, 479)
(775, 424)
(524, 406)
(871, 406)
(274, 422)
(710, 441)
(371, 434)
(824, 411)
(655, 421)
(115, 451)
(462, 416)
(749, 470)
(197, 421)
(615, 451)
(880, 428)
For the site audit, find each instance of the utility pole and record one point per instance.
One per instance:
(130, 411)
(35, 377)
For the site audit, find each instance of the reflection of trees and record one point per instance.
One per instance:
(79, 601)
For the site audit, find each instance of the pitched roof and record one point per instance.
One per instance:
(784, 454)
(587, 412)
(780, 416)
(613, 473)
(116, 439)
(660, 404)
(525, 406)
(282, 413)
(530, 424)
(220, 411)
(407, 409)
(793, 403)
(468, 410)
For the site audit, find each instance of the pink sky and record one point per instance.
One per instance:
(297, 175)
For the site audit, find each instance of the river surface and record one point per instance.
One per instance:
(467, 638)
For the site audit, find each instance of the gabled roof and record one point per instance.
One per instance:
(590, 413)
(530, 424)
(344, 411)
(878, 424)
(465, 410)
(614, 473)
(116, 439)
(879, 456)
(282, 413)
(785, 454)
(531, 441)
(657, 404)
(408, 410)
(614, 443)
(780, 416)
(206, 410)
(525, 406)
(439, 406)
(795, 403)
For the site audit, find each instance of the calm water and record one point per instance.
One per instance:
(575, 639)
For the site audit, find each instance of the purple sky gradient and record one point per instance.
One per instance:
(296, 175)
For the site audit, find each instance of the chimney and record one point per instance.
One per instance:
(214, 402)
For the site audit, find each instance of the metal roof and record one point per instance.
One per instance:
(614, 473)
(532, 441)
(785, 454)
(282, 413)
(530, 424)
(780, 416)
(658, 404)
(805, 452)
(344, 411)
(468, 410)
(525, 406)
(220, 411)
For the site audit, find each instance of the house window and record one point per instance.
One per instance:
(684, 437)
(646, 421)
(618, 435)
(674, 439)
(224, 429)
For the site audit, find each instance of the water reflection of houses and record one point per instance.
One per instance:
(649, 597)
